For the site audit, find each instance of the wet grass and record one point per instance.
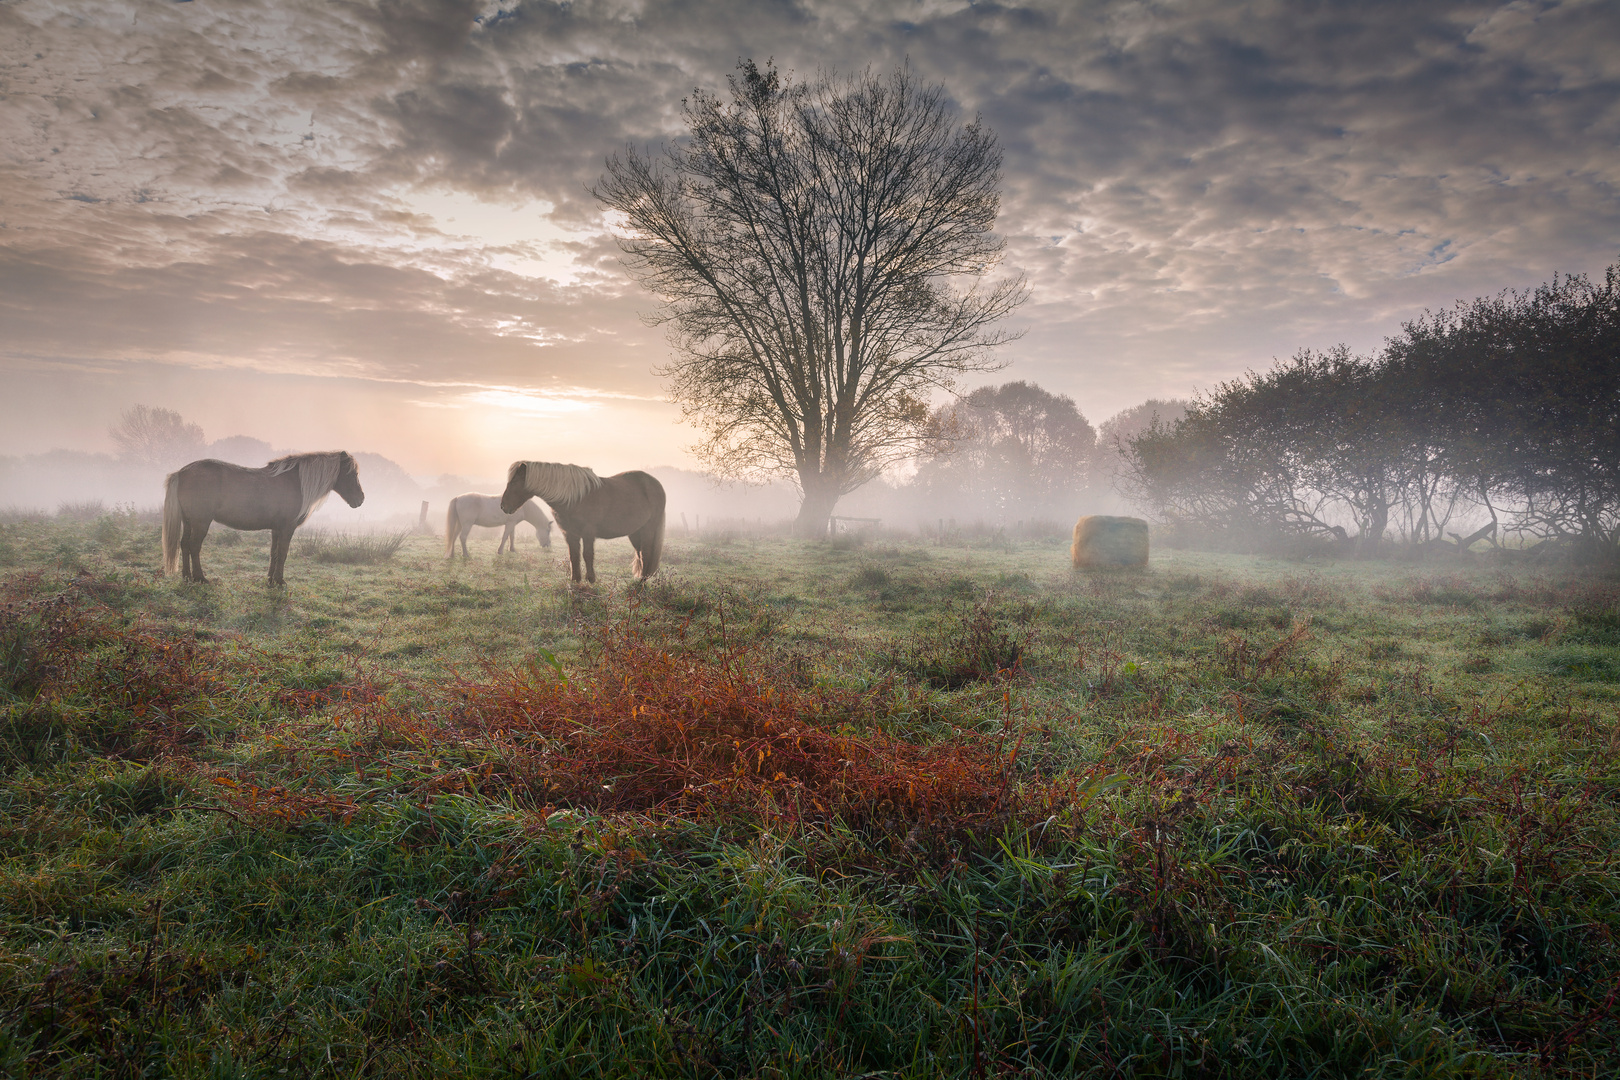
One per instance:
(802, 810)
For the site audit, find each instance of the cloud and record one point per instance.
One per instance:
(399, 190)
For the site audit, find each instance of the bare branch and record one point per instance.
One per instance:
(805, 245)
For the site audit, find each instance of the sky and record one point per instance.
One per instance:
(336, 223)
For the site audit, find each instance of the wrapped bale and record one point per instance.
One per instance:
(1102, 540)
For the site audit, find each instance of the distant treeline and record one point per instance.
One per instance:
(77, 481)
(1498, 417)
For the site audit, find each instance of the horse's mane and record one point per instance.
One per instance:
(317, 472)
(556, 483)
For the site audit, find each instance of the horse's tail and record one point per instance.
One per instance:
(645, 564)
(451, 527)
(173, 523)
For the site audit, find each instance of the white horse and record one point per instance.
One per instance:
(473, 509)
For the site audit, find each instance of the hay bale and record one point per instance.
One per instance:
(1102, 540)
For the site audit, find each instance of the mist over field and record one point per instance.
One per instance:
(83, 483)
(965, 490)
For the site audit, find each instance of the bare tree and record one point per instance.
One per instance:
(805, 243)
(159, 437)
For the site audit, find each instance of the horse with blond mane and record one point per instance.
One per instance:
(471, 509)
(590, 507)
(278, 497)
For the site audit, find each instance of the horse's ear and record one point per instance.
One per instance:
(512, 469)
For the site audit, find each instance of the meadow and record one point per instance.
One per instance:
(880, 808)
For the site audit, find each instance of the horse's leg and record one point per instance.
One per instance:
(186, 531)
(466, 531)
(589, 544)
(508, 537)
(191, 541)
(280, 541)
(573, 554)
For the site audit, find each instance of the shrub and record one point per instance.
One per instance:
(869, 577)
(81, 511)
(1446, 592)
(350, 549)
(653, 731)
(1596, 612)
(978, 647)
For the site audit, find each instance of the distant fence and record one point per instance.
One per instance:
(837, 524)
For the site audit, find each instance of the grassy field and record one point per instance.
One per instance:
(802, 809)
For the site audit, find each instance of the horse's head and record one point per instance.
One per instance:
(348, 481)
(517, 490)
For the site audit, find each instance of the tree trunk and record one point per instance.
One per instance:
(820, 496)
(1372, 536)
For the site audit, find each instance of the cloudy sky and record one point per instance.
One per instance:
(367, 224)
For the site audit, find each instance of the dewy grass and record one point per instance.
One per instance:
(1227, 817)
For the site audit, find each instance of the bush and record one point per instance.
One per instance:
(350, 549)
(81, 511)
(654, 732)
(979, 647)
(869, 577)
(1596, 612)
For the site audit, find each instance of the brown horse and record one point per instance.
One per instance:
(588, 507)
(277, 497)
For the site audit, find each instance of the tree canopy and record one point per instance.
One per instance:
(1505, 409)
(1016, 451)
(157, 437)
(821, 251)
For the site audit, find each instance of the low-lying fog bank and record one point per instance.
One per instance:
(83, 485)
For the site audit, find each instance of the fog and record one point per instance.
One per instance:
(83, 483)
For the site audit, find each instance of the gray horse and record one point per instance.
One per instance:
(589, 507)
(278, 497)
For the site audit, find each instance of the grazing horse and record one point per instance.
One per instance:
(474, 509)
(277, 497)
(588, 507)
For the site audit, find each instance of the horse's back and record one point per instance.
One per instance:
(205, 480)
(637, 494)
(620, 505)
(646, 483)
(485, 510)
(236, 495)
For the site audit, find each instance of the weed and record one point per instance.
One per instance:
(1596, 614)
(356, 549)
(653, 732)
(978, 645)
(869, 577)
(1447, 592)
(81, 511)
